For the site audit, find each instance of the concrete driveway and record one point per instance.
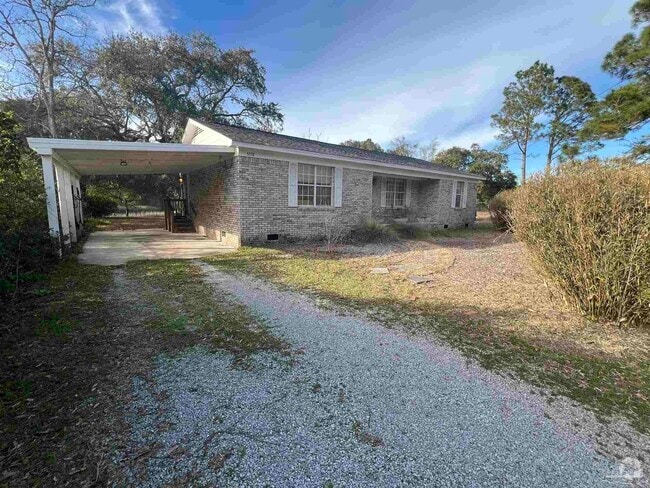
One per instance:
(111, 248)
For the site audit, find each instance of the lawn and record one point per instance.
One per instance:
(72, 343)
(479, 293)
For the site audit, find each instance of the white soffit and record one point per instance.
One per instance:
(109, 157)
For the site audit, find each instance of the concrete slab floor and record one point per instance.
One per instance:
(111, 248)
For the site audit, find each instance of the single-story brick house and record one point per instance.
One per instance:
(244, 186)
(282, 187)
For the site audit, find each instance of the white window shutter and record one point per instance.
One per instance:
(407, 197)
(383, 191)
(338, 186)
(453, 194)
(465, 195)
(293, 184)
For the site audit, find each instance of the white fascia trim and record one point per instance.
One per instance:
(188, 136)
(45, 146)
(375, 166)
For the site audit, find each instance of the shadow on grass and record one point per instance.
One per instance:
(607, 386)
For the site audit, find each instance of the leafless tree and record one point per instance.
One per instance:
(334, 230)
(36, 43)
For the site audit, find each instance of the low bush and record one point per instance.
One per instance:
(410, 231)
(98, 205)
(373, 231)
(25, 244)
(498, 208)
(588, 228)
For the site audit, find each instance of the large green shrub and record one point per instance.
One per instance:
(588, 228)
(105, 197)
(98, 204)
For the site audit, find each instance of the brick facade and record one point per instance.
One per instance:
(265, 203)
(215, 201)
(430, 205)
(244, 200)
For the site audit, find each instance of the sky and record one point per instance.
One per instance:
(430, 69)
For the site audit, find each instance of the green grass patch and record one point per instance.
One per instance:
(71, 294)
(54, 325)
(13, 395)
(185, 304)
(92, 224)
(607, 386)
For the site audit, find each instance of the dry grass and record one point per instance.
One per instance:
(482, 296)
(488, 275)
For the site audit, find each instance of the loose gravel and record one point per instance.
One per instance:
(357, 405)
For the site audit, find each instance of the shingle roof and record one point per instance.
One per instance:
(262, 138)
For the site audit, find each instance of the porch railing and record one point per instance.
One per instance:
(174, 207)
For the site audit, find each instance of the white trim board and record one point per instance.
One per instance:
(44, 146)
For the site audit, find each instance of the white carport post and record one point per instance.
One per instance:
(50, 193)
(65, 202)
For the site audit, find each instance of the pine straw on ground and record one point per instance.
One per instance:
(71, 347)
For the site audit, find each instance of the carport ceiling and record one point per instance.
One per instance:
(110, 158)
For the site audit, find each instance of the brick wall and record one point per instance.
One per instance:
(455, 217)
(215, 196)
(265, 203)
(430, 205)
(247, 199)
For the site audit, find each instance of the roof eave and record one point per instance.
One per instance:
(45, 146)
(368, 162)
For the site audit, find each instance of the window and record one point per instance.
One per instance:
(315, 185)
(395, 192)
(459, 195)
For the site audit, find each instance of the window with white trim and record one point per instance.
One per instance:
(395, 192)
(459, 196)
(315, 184)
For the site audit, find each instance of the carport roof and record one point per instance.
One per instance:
(112, 157)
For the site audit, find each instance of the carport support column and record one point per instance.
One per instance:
(63, 193)
(50, 194)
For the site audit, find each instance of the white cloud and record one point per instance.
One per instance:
(398, 110)
(386, 80)
(121, 16)
(480, 136)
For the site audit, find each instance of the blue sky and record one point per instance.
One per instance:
(380, 69)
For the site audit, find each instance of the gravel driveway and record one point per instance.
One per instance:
(356, 405)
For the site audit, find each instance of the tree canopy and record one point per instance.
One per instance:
(368, 145)
(476, 160)
(401, 146)
(126, 87)
(627, 108)
(523, 102)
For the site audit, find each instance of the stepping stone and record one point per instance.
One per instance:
(379, 271)
(418, 280)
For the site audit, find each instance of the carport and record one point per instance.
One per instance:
(66, 160)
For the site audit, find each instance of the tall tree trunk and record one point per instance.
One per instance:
(50, 102)
(524, 153)
(549, 155)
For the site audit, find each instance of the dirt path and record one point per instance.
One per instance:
(359, 405)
